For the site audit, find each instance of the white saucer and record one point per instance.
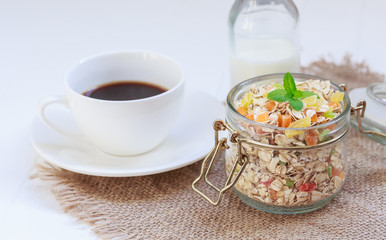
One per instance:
(190, 140)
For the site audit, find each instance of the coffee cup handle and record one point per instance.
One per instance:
(42, 109)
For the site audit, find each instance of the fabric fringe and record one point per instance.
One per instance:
(353, 74)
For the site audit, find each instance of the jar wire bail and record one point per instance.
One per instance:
(242, 160)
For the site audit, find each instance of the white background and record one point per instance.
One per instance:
(40, 39)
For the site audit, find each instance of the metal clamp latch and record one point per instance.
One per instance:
(242, 160)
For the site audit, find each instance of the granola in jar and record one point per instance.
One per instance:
(298, 127)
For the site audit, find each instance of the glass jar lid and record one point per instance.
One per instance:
(375, 117)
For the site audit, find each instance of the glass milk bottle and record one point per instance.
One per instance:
(263, 38)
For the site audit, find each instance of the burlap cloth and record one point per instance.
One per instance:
(164, 206)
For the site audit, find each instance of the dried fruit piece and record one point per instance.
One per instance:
(324, 135)
(329, 114)
(262, 117)
(312, 138)
(309, 112)
(334, 105)
(337, 97)
(289, 183)
(307, 187)
(301, 123)
(247, 100)
(279, 119)
(310, 101)
(337, 172)
(270, 105)
(319, 102)
(242, 111)
(251, 117)
(329, 170)
(286, 121)
(272, 194)
(267, 183)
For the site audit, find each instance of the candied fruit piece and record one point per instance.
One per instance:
(301, 123)
(251, 117)
(312, 138)
(262, 117)
(285, 121)
(334, 105)
(310, 101)
(319, 103)
(270, 105)
(337, 97)
(242, 110)
(329, 114)
(247, 99)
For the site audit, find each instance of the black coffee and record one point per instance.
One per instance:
(124, 90)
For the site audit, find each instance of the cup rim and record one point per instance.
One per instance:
(242, 85)
(115, 52)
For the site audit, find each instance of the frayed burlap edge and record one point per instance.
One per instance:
(353, 74)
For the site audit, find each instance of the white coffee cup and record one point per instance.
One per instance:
(127, 127)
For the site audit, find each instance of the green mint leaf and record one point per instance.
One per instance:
(296, 104)
(278, 86)
(308, 94)
(298, 94)
(289, 95)
(289, 83)
(278, 95)
(289, 183)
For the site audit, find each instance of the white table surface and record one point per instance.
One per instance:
(40, 39)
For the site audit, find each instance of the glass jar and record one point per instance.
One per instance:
(275, 173)
(263, 37)
(284, 175)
